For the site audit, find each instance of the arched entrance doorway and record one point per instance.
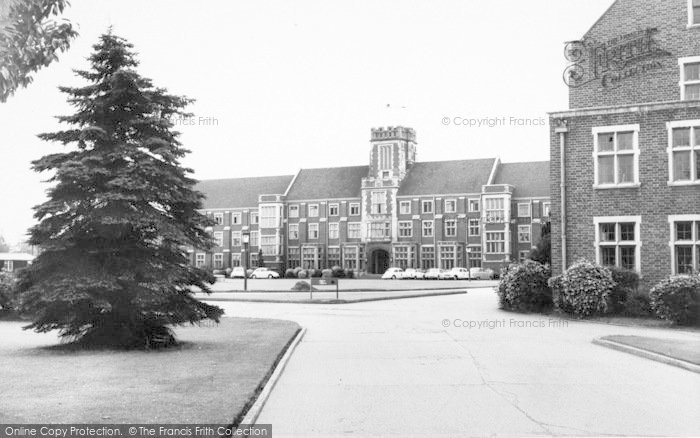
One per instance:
(379, 261)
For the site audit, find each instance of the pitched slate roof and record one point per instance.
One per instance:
(530, 179)
(328, 183)
(241, 192)
(447, 177)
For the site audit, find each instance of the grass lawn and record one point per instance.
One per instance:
(211, 378)
(687, 350)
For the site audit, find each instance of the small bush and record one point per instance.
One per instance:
(327, 273)
(228, 271)
(291, 273)
(585, 289)
(626, 283)
(315, 273)
(523, 287)
(338, 272)
(349, 273)
(302, 286)
(677, 299)
(302, 273)
(637, 305)
(7, 290)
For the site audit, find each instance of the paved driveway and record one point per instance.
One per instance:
(402, 368)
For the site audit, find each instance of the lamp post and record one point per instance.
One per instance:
(469, 264)
(246, 240)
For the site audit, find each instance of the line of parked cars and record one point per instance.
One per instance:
(439, 274)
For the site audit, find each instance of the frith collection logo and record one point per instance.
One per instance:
(613, 61)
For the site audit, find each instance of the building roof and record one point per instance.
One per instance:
(446, 177)
(531, 179)
(328, 183)
(16, 256)
(241, 192)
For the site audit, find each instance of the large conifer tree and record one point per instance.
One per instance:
(113, 271)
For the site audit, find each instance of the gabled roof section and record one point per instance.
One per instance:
(530, 179)
(241, 192)
(593, 26)
(446, 177)
(328, 183)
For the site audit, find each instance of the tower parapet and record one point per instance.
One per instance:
(393, 133)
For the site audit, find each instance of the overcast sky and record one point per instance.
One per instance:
(290, 84)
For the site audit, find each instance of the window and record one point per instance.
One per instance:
(379, 230)
(219, 238)
(685, 243)
(254, 217)
(617, 241)
(313, 231)
(523, 255)
(450, 228)
(219, 218)
(293, 211)
(293, 231)
(271, 216)
(693, 12)
(684, 152)
(9, 265)
(402, 257)
(200, 259)
(427, 257)
(378, 203)
(235, 260)
(495, 243)
(309, 258)
(333, 256)
(254, 261)
(616, 155)
(405, 207)
(406, 229)
(350, 257)
(524, 209)
(218, 261)
(386, 174)
(474, 228)
(235, 238)
(236, 218)
(269, 245)
(450, 206)
(294, 257)
(495, 210)
(524, 232)
(474, 256)
(385, 157)
(333, 230)
(254, 238)
(354, 209)
(447, 257)
(333, 210)
(354, 230)
(313, 210)
(427, 207)
(546, 209)
(473, 205)
(427, 228)
(690, 78)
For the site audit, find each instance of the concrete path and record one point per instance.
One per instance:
(426, 367)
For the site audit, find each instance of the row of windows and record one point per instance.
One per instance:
(448, 257)
(312, 257)
(616, 154)
(312, 210)
(236, 218)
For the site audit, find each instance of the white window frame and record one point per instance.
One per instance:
(406, 226)
(527, 230)
(385, 157)
(488, 213)
(478, 205)
(694, 150)
(431, 228)
(617, 220)
(219, 218)
(354, 206)
(333, 230)
(270, 216)
(546, 208)
(218, 260)
(219, 238)
(615, 153)
(9, 265)
(294, 210)
(236, 236)
(694, 243)
(254, 217)
(681, 64)
(454, 228)
(293, 231)
(526, 205)
(313, 207)
(381, 206)
(200, 259)
(406, 204)
(236, 218)
(495, 244)
(454, 203)
(427, 202)
(333, 206)
(254, 238)
(691, 15)
(354, 230)
(313, 231)
(471, 227)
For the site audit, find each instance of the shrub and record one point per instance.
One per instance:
(291, 273)
(327, 273)
(349, 273)
(338, 272)
(302, 273)
(302, 286)
(677, 299)
(523, 287)
(7, 290)
(228, 272)
(315, 273)
(218, 272)
(585, 289)
(626, 283)
(637, 305)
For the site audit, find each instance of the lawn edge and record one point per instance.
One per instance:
(270, 380)
(658, 357)
(333, 301)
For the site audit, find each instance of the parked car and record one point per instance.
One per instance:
(455, 274)
(238, 272)
(432, 274)
(393, 274)
(482, 273)
(413, 274)
(264, 273)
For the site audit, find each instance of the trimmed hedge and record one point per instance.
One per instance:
(638, 305)
(626, 283)
(677, 299)
(302, 273)
(290, 273)
(523, 287)
(583, 290)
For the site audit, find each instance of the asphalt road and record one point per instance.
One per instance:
(458, 366)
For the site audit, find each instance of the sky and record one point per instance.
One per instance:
(281, 85)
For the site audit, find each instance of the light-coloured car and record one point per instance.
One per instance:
(392, 274)
(264, 273)
(413, 274)
(455, 274)
(482, 274)
(238, 272)
(433, 274)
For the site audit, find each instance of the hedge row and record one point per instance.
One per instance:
(335, 272)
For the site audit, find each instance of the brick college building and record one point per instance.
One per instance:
(625, 173)
(394, 212)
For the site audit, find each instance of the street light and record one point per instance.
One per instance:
(469, 266)
(245, 235)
